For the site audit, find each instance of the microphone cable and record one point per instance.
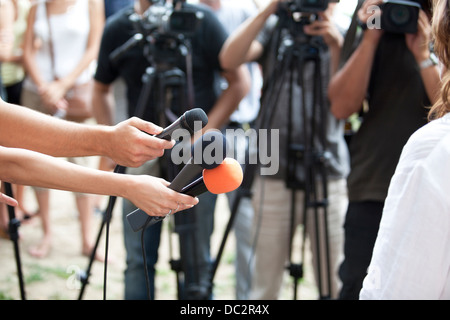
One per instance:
(259, 216)
(144, 258)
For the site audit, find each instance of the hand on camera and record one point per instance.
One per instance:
(371, 9)
(418, 42)
(325, 28)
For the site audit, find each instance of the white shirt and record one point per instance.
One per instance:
(232, 14)
(411, 257)
(70, 33)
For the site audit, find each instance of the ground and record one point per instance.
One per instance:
(55, 277)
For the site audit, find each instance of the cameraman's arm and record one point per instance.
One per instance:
(418, 44)
(330, 34)
(241, 47)
(348, 87)
(238, 86)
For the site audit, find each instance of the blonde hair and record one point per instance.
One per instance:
(441, 35)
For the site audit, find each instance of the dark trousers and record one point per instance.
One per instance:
(13, 93)
(361, 228)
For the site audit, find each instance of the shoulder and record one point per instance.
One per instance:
(428, 143)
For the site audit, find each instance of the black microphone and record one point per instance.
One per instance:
(186, 121)
(207, 153)
(195, 188)
(213, 142)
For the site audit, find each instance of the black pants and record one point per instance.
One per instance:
(361, 228)
(13, 93)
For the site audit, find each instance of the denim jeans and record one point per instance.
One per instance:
(194, 227)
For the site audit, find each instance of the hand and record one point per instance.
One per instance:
(132, 143)
(8, 200)
(272, 6)
(52, 96)
(370, 9)
(153, 196)
(325, 28)
(418, 43)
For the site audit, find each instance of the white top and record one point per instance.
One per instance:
(70, 33)
(411, 257)
(231, 14)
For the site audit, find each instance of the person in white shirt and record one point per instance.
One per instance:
(411, 257)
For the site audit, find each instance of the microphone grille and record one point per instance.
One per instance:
(193, 115)
(210, 149)
(224, 178)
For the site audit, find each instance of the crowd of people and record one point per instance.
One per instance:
(365, 205)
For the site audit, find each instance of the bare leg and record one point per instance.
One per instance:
(43, 248)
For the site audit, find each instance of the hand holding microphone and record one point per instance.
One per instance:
(224, 178)
(140, 148)
(214, 177)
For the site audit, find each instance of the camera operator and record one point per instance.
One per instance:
(412, 242)
(394, 73)
(253, 42)
(206, 43)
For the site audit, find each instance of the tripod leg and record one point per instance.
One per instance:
(84, 277)
(14, 224)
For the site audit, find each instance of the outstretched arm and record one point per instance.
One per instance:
(128, 143)
(348, 87)
(151, 194)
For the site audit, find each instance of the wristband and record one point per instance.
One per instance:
(431, 61)
(362, 25)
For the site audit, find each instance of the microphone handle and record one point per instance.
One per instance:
(195, 188)
(167, 132)
(138, 218)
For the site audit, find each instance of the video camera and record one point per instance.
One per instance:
(310, 5)
(302, 11)
(165, 18)
(400, 16)
(305, 6)
(165, 29)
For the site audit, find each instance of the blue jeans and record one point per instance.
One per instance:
(135, 281)
(194, 226)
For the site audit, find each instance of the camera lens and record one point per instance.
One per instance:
(400, 15)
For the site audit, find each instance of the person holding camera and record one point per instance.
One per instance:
(131, 65)
(272, 201)
(410, 258)
(392, 73)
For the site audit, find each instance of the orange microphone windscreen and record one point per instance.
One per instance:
(224, 178)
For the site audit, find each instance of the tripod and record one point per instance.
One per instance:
(13, 229)
(162, 80)
(294, 51)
